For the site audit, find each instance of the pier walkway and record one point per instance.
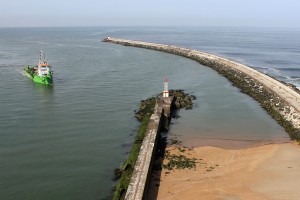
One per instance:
(139, 181)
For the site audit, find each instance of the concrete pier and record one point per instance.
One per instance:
(280, 96)
(139, 181)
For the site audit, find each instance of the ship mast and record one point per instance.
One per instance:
(42, 59)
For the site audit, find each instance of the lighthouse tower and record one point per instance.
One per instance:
(166, 90)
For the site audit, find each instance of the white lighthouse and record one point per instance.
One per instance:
(166, 90)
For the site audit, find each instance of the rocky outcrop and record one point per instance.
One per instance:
(146, 108)
(182, 99)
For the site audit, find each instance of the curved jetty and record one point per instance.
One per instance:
(280, 100)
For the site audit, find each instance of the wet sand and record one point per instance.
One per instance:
(192, 142)
(264, 172)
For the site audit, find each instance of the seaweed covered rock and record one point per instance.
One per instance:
(179, 161)
(271, 102)
(146, 108)
(182, 99)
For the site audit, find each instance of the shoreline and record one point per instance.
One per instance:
(228, 144)
(263, 172)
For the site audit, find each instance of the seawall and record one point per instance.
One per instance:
(140, 178)
(280, 100)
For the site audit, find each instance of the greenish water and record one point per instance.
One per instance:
(226, 118)
(63, 141)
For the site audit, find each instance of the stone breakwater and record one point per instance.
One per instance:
(137, 188)
(154, 114)
(280, 100)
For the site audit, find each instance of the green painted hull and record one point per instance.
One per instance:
(47, 80)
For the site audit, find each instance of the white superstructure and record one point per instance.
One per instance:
(43, 66)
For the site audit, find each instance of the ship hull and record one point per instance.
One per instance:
(47, 80)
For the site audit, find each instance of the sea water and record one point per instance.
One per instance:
(63, 141)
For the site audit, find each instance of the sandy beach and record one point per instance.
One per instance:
(264, 172)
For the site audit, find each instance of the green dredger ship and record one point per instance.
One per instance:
(41, 73)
